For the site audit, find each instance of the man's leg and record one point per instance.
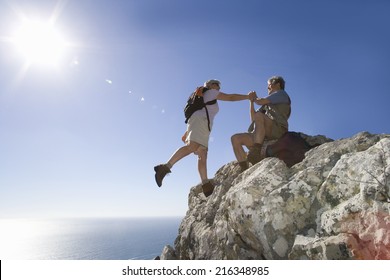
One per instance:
(238, 141)
(263, 128)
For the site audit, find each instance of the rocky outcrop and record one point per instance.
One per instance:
(333, 205)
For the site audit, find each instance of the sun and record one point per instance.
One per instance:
(40, 43)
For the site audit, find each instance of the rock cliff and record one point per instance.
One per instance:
(333, 205)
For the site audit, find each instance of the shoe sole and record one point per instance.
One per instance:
(155, 177)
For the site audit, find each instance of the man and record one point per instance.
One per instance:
(270, 122)
(197, 135)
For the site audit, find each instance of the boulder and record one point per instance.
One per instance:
(333, 205)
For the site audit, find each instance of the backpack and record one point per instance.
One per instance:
(196, 102)
(290, 148)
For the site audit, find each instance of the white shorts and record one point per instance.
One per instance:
(198, 130)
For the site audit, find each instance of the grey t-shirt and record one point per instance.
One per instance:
(278, 97)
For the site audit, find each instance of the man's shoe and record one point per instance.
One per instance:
(254, 154)
(244, 165)
(161, 171)
(207, 188)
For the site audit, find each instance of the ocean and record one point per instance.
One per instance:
(86, 238)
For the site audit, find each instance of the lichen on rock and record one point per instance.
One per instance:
(333, 205)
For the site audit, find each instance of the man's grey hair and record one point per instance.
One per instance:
(277, 80)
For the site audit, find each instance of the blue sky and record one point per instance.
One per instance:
(81, 137)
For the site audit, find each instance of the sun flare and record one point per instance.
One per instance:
(40, 43)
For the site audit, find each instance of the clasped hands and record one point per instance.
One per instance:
(252, 96)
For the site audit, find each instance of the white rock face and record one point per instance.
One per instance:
(333, 205)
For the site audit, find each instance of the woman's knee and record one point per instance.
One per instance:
(193, 146)
(202, 154)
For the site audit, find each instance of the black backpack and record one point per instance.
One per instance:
(196, 102)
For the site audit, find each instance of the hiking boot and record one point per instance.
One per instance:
(244, 165)
(161, 171)
(208, 189)
(254, 154)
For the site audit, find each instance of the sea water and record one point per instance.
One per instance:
(86, 238)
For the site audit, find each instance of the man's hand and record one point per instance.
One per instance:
(252, 96)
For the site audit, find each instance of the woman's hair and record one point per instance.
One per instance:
(210, 82)
(277, 80)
